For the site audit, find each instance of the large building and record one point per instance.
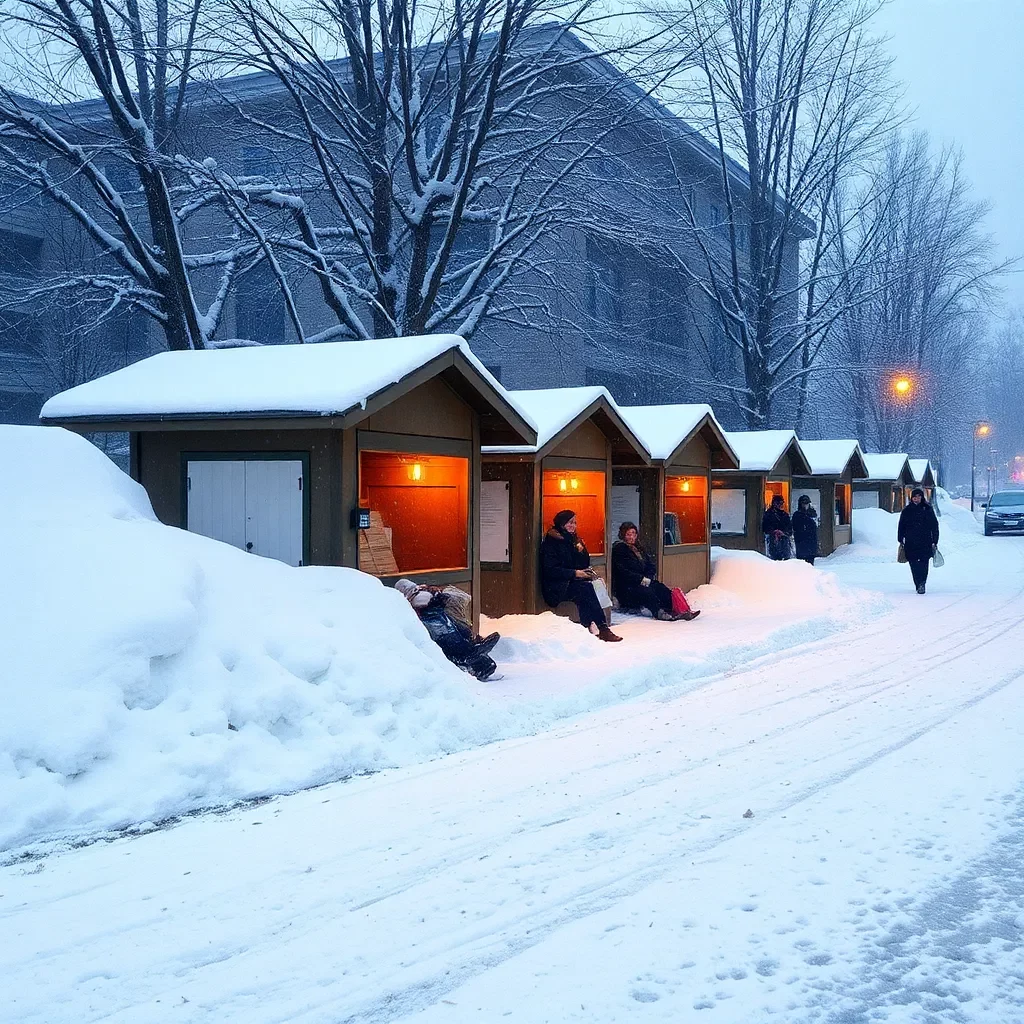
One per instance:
(606, 297)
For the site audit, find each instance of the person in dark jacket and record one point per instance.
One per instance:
(918, 532)
(454, 636)
(777, 529)
(635, 578)
(565, 575)
(805, 530)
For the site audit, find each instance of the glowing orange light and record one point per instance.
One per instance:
(575, 484)
(984, 430)
(685, 486)
(416, 471)
(902, 386)
(563, 484)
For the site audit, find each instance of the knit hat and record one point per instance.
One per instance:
(804, 500)
(561, 518)
(778, 499)
(407, 588)
(917, 490)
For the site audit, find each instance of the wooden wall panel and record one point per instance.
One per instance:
(686, 570)
(432, 409)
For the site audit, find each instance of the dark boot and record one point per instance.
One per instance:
(485, 644)
(920, 588)
(687, 616)
(607, 635)
(665, 616)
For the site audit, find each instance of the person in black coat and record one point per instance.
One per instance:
(635, 578)
(777, 529)
(565, 575)
(918, 532)
(805, 530)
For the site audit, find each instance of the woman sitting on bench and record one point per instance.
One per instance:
(635, 578)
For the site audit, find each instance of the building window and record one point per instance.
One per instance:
(686, 510)
(842, 511)
(773, 488)
(728, 511)
(419, 513)
(583, 492)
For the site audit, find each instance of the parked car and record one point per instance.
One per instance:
(1004, 512)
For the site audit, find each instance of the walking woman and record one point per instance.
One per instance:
(919, 534)
(565, 575)
(634, 578)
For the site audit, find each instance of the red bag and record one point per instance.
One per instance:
(679, 603)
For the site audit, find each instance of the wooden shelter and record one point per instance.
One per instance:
(669, 500)
(924, 477)
(769, 459)
(835, 465)
(885, 486)
(363, 454)
(580, 434)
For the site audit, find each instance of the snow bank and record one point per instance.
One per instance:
(149, 671)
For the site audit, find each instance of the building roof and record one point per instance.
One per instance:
(665, 429)
(556, 412)
(886, 467)
(761, 451)
(922, 472)
(332, 380)
(832, 458)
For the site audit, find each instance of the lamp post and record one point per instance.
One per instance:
(981, 429)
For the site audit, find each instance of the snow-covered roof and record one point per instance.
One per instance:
(887, 466)
(552, 410)
(664, 428)
(759, 451)
(283, 380)
(830, 458)
(919, 469)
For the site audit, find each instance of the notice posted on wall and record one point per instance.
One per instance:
(728, 510)
(625, 506)
(494, 521)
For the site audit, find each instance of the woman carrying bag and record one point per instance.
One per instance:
(918, 534)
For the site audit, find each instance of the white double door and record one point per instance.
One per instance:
(254, 504)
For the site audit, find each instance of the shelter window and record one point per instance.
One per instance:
(686, 510)
(774, 487)
(419, 513)
(583, 492)
(728, 511)
(843, 504)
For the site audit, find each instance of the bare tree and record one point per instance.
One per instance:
(796, 91)
(95, 130)
(444, 142)
(919, 301)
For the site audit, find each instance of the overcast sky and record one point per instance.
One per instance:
(962, 62)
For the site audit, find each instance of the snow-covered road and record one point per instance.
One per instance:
(606, 869)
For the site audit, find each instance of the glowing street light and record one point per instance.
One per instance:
(903, 386)
(981, 429)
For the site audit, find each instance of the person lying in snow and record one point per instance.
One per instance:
(777, 530)
(565, 575)
(805, 530)
(438, 611)
(635, 580)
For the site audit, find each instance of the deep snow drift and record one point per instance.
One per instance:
(149, 672)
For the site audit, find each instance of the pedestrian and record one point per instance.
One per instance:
(448, 630)
(635, 580)
(918, 534)
(777, 529)
(566, 575)
(805, 530)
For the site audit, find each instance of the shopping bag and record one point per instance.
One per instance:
(602, 593)
(680, 606)
(901, 555)
(937, 560)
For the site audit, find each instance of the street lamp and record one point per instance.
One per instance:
(981, 429)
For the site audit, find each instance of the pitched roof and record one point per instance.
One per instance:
(888, 466)
(831, 458)
(556, 411)
(664, 429)
(760, 451)
(276, 381)
(922, 472)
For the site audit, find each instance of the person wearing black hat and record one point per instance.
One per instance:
(565, 575)
(805, 530)
(918, 533)
(777, 529)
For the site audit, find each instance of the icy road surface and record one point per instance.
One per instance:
(607, 869)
